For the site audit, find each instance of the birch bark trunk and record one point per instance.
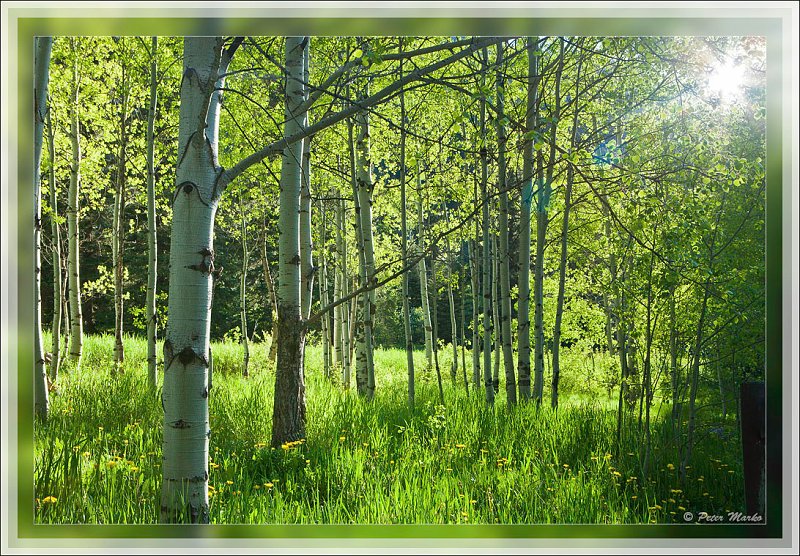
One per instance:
(41, 75)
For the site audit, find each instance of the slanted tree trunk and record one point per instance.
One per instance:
(119, 208)
(404, 242)
(423, 275)
(273, 299)
(487, 260)
(504, 258)
(497, 345)
(73, 219)
(694, 378)
(41, 75)
(523, 308)
(289, 415)
(152, 247)
(243, 292)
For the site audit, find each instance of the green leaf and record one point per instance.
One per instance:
(358, 53)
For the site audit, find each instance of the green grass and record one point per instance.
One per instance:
(99, 454)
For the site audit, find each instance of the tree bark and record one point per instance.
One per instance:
(307, 270)
(184, 493)
(562, 272)
(503, 225)
(42, 75)
(487, 261)
(523, 308)
(423, 275)
(289, 414)
(58, 274)
(243, 293)
(119, 208)
(404, 243)
(152, 246)
(73, 219)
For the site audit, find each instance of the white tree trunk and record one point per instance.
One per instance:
(307, 269)
(41, 75)
(73, 218)
(423, 276)
(184, 494)
(404, 244)
(289, 410)
(243, 294)
(152, 247)
(487, 261)
(504, 256)
(117, 227)
(58, 289)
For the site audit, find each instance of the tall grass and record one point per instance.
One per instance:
(98, 457)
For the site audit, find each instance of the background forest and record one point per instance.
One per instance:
(454, 279)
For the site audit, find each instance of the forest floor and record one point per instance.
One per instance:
(98, 457)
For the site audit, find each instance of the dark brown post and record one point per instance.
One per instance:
(753, 448)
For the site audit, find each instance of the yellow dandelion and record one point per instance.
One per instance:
(111, 464)
(228, 482)
(214, 465)
(391, 461)
(730, 471)
(449, 469)
(617, 474)
(465, 514)
(681, 508)
(634, 497)
(672, 500)
(705, 494)
(676, 491)
(256, 487)
(670, 467)
(699, 479)
(134, 469)
(341, 439)
(460, 446)
(125, 442)
(86, 454)
(566, 466)
(49, 500)
(268, 485)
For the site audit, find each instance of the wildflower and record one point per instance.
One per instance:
(654, 508)
(676, 491)
(670, 467)
(472, 501)
(730, 470)
(566, 466)
(699, 479)
(111, 464)
(214, 465)
(391, 461)
(229, 482)
(617, 474)
(268, 485)
(460, 446)
(672, 500)
(681, 508)
(634, 497)
(341, 439)
(256, 487)
(134, 469)
(49, 500)
(705, 494)
(449, 469)
(86, 454)
(308, 461)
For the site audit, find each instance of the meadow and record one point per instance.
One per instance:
(98, 457)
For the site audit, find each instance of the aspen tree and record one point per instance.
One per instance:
(44, 46)
(152, 246)
(73, 219)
